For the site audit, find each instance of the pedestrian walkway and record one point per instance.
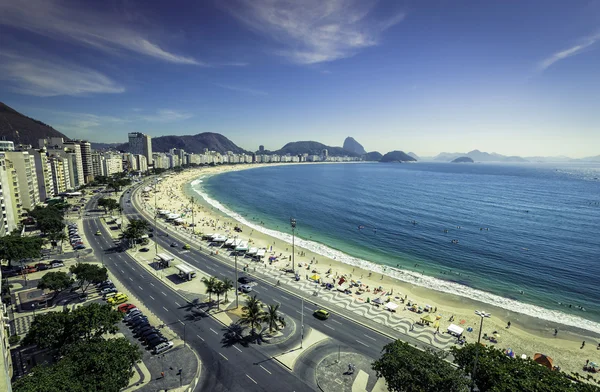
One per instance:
(347, 372)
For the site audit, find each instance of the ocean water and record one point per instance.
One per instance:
(527, 236)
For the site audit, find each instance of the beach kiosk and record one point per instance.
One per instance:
(260, 254)
(186, 272)
(455, 330)
(164, 260)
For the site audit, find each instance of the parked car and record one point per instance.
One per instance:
(134, 313)
(119, 298)
(79, 247)
(41, 267)
(245, 280)
(109, 290)
(245, 288)
(135, 317)
(144, 250)
(139, 322)
(123, 308)
(145, 331)
(104, 282)
(155, 341)
(57, 265)
(174, 245)
(162, 347)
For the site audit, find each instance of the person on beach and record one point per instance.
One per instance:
(582, 345)
(556, 332)
(508, 325)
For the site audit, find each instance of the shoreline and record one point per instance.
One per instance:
(527, 334)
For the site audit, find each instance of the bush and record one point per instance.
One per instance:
(14, 339)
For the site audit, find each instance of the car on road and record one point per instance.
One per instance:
(321, 314)
(245, 280)
(174, 245)
(187, 247)
(245, 288)
(57, 264)
(98, 232)
(162, 347)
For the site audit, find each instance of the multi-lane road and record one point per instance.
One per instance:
(233, 368)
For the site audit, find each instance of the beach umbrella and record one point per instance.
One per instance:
(543, 360)
(427, 319)
(315, 277)
(378, 301)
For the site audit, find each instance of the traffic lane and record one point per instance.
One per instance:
(355, 335)
(250, 367)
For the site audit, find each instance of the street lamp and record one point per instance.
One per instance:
(155, 215)
(236, 272)
(33, 307)
(302, 323)
(482, 315)
(293, 224)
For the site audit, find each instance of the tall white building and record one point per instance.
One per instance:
(24, 165)
(141, 144)
(9, 220)
(113, 164)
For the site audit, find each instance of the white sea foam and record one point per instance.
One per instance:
(415, 278)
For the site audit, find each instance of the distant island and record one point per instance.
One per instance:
(397, 156)
(463, 160)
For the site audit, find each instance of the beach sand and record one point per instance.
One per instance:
(526, 335)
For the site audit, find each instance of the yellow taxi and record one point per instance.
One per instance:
(321, 314)
(118, 298)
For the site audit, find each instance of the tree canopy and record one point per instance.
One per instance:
(95, 365)
(108, 204)
(87, 274)
(408, 369)
(49, 218)
(55, 281)
(497, 372)
(136, 229)
(16, 247)
(58, 330)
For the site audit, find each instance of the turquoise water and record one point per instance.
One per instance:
(526, 235)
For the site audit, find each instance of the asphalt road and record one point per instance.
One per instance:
(224, 368)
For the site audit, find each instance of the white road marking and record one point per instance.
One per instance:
(182, 323)
(256, 291)
(226, 359)
(152, 284)
(284, 297)
(236, 347)
(201, 338)
(329, 327)
(165, 309)
(251, 379)
(130, 279)
(179, 306)
(163, 293)
(370, 337)
(141, 288)
(133, 268)
(122, 271)
(151, 297)
(264, 288)
(366, 345)
(277, 301)
(263, 368)
(142, 276)
(337, 322)
(214, 331)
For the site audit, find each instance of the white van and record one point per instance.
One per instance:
(162, 347)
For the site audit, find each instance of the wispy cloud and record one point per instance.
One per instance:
(51, 77)
(314, 31)
(244, 90)
(572, 51)
(107, 32)
(166, 115)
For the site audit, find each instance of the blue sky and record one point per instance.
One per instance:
(517, 78)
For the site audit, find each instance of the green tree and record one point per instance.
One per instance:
(55, 281)
(49, 219)
(108, 204)
(87, 274)
(407, 369)
(252, 314)
(227, 284)
(273, 318)
(136, 229)
(96, 365)
(58, 330)
(497, 372)
(210, 285)
(58, 236)
(16, 247)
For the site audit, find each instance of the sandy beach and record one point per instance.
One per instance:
(526, 335)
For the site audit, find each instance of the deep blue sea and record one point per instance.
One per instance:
(533, 228)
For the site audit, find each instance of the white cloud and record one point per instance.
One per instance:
(245, 90)
(166, 115)
(572, 51)
(107, 32)
(45, 78)
(314, 31)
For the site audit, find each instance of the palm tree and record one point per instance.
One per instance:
(252, 314)
(218, 290)
(273, 319)
(227, 285)
(210, 286)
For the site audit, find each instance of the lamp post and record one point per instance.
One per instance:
(155, 215)
(193, 224)
(302, 323)
(482, 315)
(33, 308)
(293, 224)
(236, 272)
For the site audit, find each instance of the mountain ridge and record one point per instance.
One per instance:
(21, 129)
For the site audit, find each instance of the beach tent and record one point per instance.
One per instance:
(427, 319)
(242, 247)
(260, 253)
(315, 277)
(252, 251)
(378, 301)
(342, 287)
(391, 306)
(543, 360)
(455, 330)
